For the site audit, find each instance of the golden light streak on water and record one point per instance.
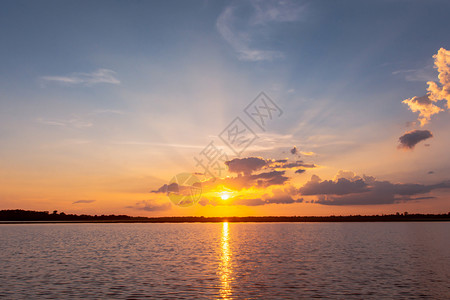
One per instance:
(225, 264)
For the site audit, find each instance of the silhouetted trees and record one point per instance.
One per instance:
(29, 215)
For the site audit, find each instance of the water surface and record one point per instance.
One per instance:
(225, 261)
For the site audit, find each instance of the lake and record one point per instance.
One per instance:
(225, 261)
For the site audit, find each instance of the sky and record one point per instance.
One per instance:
(103, 103)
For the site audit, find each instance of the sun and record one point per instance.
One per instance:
(224, 195)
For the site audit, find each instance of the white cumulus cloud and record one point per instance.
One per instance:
(239, 27)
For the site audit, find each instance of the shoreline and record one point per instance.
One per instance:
(219, 221)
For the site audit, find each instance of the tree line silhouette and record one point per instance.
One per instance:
(19, 215)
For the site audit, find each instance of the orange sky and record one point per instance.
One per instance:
(94, 121)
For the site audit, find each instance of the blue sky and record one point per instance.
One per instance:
(125, 93)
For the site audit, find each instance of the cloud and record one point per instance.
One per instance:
(277, 196)
(426, 105)
(173, 187)
(148, 205)
(422, 74)
(307, 153)
(79, 122)
(341, 186)
(83, 201)
(261, 180)
(442, 64)
(269, 178)
(260, 176)
(74, 122)
(249, 202)
(294, 151)
(87, 79)
(281, 196)
(365, 190)
(290, 165)
(107, 111)
(411, 138)
(240, 24)
(246, 165)
(249, 165)
(250, 173)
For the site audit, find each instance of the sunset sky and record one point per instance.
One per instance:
(103, 102)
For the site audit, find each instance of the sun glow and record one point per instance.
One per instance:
(225, 195)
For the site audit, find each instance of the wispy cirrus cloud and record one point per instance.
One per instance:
(78, 122)
(88, 79)
(83, 201)
(149, 205)
(74, 122)
(421, 74)
(241, 35)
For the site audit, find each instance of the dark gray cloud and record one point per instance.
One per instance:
(290, 165)
(246, 165)
(366, 191)
(341, 186)
(83, 201)
(411, 138)
(249, 202)
(249, 165)
(281, 200)
(149, 205)
(294, 151)
(300, 171)
(269, 178)
(173, 187)
(261, 180)
(266, 200)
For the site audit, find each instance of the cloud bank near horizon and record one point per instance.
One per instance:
(366, 190)
(275, 186)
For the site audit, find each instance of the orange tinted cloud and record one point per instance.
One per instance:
(426, 105)
(442, 64)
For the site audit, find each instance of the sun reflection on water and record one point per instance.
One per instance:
(225, 264)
